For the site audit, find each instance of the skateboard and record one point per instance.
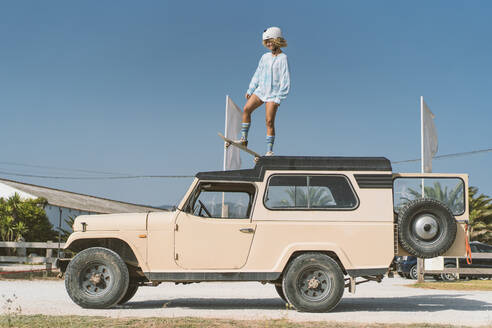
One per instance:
(229, 142)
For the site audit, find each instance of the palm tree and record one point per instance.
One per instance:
(315, 197)
(480, 216)
(453, 198)
(480, 207)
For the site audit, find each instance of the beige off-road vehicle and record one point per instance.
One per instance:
(311, 226)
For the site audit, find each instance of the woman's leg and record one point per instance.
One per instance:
(253, 103)
(270, 113)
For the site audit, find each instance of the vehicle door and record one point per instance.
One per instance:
(214, 231)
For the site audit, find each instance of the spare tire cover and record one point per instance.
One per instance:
(426, 228)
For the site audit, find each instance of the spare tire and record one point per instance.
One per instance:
(426, 228)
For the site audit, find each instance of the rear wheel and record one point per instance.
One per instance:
(313, 283)
(280, 292)
(97, 278)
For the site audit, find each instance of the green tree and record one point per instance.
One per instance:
(480, 216)
(452, 197)
(24, 219)
(480, 207)
(65, 233)
(318, 197)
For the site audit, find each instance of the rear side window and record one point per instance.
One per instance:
(450, 191)
(309, 192)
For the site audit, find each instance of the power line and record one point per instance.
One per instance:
(447, 156)
(95, 178)
(59, 168)
(122, 177)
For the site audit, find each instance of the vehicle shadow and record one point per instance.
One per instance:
(418, 303)
(210, 304)
(424, 303)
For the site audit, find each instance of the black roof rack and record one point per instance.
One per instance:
(305, 163)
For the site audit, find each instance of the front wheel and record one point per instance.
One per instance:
(449, 276)
(413, 272)
(130, 292)
(97, 278)
(313, 283)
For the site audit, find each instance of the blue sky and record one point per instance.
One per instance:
(139, 87)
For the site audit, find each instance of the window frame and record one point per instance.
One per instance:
(193, 197)
(465, 204)
(313, 208)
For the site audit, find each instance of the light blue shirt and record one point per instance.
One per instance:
(271, 81)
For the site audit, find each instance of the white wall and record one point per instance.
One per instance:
(6, 191)
(53, 213)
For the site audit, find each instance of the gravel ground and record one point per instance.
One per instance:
(387, 302)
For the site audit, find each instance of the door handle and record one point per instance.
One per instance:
(247, 230)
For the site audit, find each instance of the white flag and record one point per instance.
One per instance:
(429, 137)
(232, 159)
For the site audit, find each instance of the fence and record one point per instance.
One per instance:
(457, 270)
(48, 259)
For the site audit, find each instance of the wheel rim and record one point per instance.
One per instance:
(314, 284)
(96, 279)
(448, 276)
(413, 273)
(426, 227)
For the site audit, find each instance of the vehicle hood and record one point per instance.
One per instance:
(111, 222)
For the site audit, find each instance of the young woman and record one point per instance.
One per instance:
(270, 85)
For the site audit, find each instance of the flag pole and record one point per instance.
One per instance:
(225, 133)
(422, 141)
(420, 262)
(223, 211)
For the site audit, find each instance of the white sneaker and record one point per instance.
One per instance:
(269, 153)
(242, 141)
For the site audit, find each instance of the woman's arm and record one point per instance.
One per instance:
(284, 79)
(255, 79)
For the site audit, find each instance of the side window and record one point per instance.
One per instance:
(450, 191)
(222, 201)
(287, 192)
(309, 192)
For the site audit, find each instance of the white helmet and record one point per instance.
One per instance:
(272, 33)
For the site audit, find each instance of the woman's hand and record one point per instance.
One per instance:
(247, 96)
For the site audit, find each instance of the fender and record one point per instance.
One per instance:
(137, 245)
(310, 247)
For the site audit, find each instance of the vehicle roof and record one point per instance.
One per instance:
(304, 163)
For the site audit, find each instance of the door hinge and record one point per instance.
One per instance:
(176, 257)
(176, 228)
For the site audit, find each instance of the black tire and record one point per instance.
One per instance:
(437, 277)
(449, 276)
(313, 282)
(130, 292)
(97, 278)
(426, 228)
(413, 274)
(407, 275)
(280, 292)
